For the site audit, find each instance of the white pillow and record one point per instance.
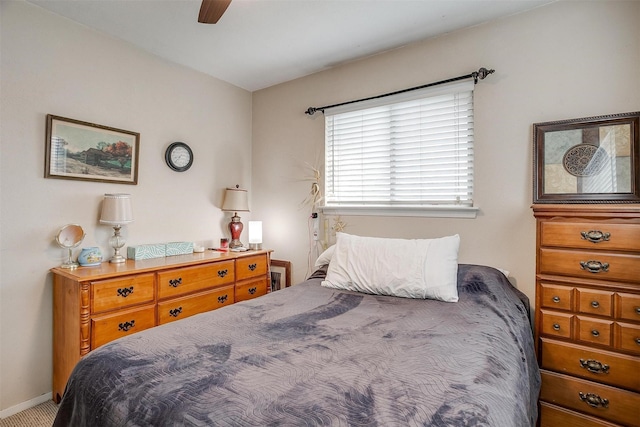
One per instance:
(325, 257)
(416, 268)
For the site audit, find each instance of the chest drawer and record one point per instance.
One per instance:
(554, 416)
(595, 302)
(590, 265)
(556, 324)
(251, 266)
(628, 306)
(181, 281)
(183, 307)
(597, 365)
(251, 289)
(556, 296)
(628, 338)
(594, 331)
(108, 327)
(599, 400)
(123, 292)
(590, 235)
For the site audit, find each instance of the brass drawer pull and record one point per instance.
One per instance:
(126, 325)
(175, 312)
(556, 327)
(595, 304)
(594, 366)
(222, 273)
(222, 299)
(252, 290)
(594, 266)
(593, 400)
(595, 236)
(175, 282)
(595, 333)
(637, 310)
(252, 267)
(638, 341)
(556, 299)
(124, 292)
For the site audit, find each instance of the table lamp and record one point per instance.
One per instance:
(235, 200)
(255, 235)
(116, 211)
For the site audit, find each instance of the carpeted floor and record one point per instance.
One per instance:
(41, 415)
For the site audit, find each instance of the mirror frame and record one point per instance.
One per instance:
(76, 244)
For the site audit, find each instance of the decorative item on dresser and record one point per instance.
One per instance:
(235, 200)
(116, 211)
(93, 306)
(587, 322)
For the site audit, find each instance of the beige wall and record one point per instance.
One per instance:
(53, 66)
(570, 59)
(565, 60)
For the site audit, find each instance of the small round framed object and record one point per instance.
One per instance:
(179, 156)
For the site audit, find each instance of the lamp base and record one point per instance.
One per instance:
(255, 246)
(117, 259)
(235, 228)
(117, 241)
(235, 243)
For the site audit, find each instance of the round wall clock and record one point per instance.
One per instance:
(179, 156)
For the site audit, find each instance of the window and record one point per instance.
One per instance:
(407, 152)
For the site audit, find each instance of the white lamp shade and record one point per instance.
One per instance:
(255, 232)
(235, 199)
(116, 209)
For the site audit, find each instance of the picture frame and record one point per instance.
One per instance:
(280, 274)
(86, 151)
(587, 160)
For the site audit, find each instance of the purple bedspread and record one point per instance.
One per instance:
(311, 356)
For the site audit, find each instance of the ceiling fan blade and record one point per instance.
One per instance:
(212, 10)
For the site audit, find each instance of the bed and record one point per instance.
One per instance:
(314, 355)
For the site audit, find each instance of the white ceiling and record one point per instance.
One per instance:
(260, 43)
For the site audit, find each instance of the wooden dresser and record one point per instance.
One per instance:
(95, 305)
(587, 321)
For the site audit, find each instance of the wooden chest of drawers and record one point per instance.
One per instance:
(95, 305)
(587, 321)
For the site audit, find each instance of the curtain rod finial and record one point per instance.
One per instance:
(311, 111)
(481, 74)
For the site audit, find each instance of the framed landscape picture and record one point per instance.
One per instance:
(587, 160)
(90, 152)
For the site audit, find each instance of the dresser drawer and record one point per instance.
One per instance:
(590, 235)
(597, 365)
(602, 401)
(595, 302)
(628, 337)
(628, 306)
(590, 265)
(594, 331)
(122, 292)
(251, 289)
(554, 416)
(251, 266)
(556, 296)
(556, 324)
(181, 281)
(183, 307)
(108, 327)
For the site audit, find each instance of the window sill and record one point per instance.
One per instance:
(469, 212)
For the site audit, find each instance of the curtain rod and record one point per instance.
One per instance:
(480, 74)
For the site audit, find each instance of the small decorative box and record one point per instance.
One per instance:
(179, 248)
(138, 252)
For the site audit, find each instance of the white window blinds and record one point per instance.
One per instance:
(411, 149)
